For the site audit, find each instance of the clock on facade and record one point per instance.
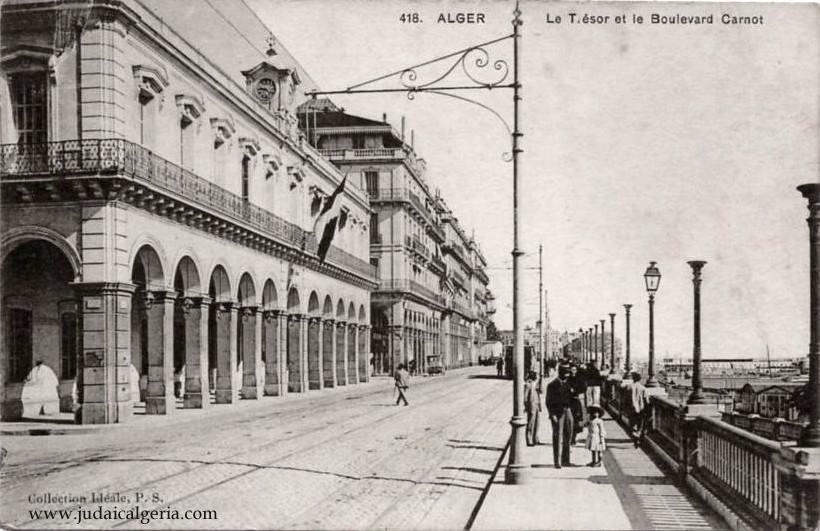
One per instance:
(265, 89)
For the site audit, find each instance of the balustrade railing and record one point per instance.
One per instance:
(774, 429)
(740, 464)
(407, 285)
(119, 156)
(735, 465)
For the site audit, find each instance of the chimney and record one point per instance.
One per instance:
(412, 140)
(384, 117)
(402, 128)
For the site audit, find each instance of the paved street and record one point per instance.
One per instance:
(339, 459)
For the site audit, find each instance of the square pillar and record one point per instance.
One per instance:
(329, 353)
(104, 368)
(270, 320)
(226, 326)
(159, 309)
(195, 310)
(352, 358)
(251, 351)
(341, 353)
(282, 351)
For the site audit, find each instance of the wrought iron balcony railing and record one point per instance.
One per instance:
(118, 156)
(410, 286)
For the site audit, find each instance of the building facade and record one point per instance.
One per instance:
(158, 207)
(431, 304)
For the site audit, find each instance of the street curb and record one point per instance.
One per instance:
(480, 502)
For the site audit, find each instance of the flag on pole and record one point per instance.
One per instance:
(328, 219)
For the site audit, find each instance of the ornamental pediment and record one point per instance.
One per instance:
(150, 78)
(223, 129)
(190, 107)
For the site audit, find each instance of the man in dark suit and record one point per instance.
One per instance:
(559, 405)
(578, 383)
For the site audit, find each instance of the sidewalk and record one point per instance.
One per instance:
(629, 492)
(63, 423)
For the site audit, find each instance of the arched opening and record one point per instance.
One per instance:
(327, 342)
(247, 366)
(314, 364)
(352, 350)
(341, 344)
(295, 348)
(148, 331)
(380, 343)
(221, 314)
(270, 340)
(39, 325)
(190, 366)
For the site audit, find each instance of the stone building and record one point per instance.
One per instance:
(430, 307)
(158, 208)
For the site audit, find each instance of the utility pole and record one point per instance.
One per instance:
(541, 350)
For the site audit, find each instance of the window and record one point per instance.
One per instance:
(371, 179)
(30, 105)
(246, 174)
(19, 344)
(375, 237)
(146, 107)
(68, 345)
(187, 138)
(358, 141)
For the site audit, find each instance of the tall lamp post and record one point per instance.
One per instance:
(595, 345)
(811, 435)
(602, 361)
(627, 367)
(582, 336)
(652, 276)
(696, 397)
(612, 343)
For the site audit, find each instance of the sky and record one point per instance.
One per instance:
(641, 142)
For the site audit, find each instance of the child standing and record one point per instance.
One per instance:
(596, 435)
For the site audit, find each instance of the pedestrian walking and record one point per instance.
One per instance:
(593, 378)
(577, 382)
(532, 405)
(559, 406)
(638, 403)
(596, 435)
(402, 383)
(499, 366)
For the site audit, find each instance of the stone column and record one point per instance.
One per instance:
(295, 353)
(196, 352)
(314, 353)
(354, 332)
(320, 357)
(303, 327)
(104, 368)
(226, 323)
(364, 354)
(251, 352)
(328, 354)
(341, 353)
(282, 350)
(270, 320)
(159, 309)
(351, 368)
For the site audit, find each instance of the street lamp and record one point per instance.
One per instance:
(626, 361)
(603, 344)
(612, 343)
(811, 435)
(652, 276)
(697, 385)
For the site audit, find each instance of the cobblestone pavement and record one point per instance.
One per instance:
(340, 459)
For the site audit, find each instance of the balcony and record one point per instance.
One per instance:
(438, 264)
(113, 158)
(420, 248)
(411, 286)
(363, 154)
(403, 195)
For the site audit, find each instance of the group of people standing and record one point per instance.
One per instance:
(573, 402)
